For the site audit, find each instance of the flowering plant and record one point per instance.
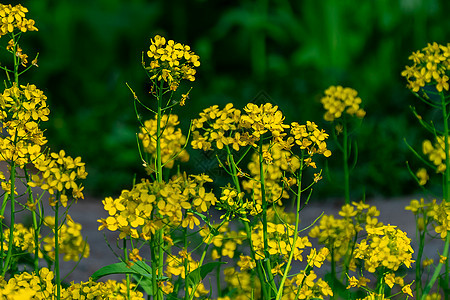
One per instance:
(181, 236)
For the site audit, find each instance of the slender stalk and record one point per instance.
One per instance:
(153, 253)
(446, 193)
(36, 227)
(158, 139)
(446, 186)
(16, 61)
(200, 263)
(447, 179)
(12, 180)
(159, 292)
(437, 270)
(297, 222)
(57, 272)
(125, 257)
(333, 271)
(259, 267)
(419, 263)
(264, 221)
(185, 264)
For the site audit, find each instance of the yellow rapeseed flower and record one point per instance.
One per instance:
(13, 17)
(430, 66)
(171, 62)
(339, 100)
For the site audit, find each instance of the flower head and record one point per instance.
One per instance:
(430, 66)
(339, 100)
(13, 17)
(171, 62)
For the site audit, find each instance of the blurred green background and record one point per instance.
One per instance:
(287, 51)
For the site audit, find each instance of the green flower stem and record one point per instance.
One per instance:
(125, 257)
(345, 156)
(333, 271)
(57, 273)
(348, 259)
(264, 216)
(200, 263)
(446, 186)
(12, 180)
(259, 267)
(447, 176)
(153, 253)
(185, 264)
(419, 262)
(446, 193)
(159, 260)
(297, 222)
(160, 294)
(16, 60)
(12, 177)
(437, 270)
(36, 227)
(158, 135)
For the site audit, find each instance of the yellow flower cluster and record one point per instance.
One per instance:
(280, 241)
(436, 152)
(306, 285)
(14, 17)
(338, 100)
(23, 238)
(441, 215)
(171, 62)
(430, 66)
(278, 161)
(309, 137)
(218, 127)
(389, 278)
(230, 127)
(264, 118)
(33, 286)
(386, 247)
(21, 110)
(235, 205)
(175, 265)
(172, 140)
(133, 213)
(338, 234)
(28, 286)
(110, 290)
(71, 243)
(59, 173)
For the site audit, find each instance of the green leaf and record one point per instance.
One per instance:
(200, 273)
(138, 268)
(145, 283)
